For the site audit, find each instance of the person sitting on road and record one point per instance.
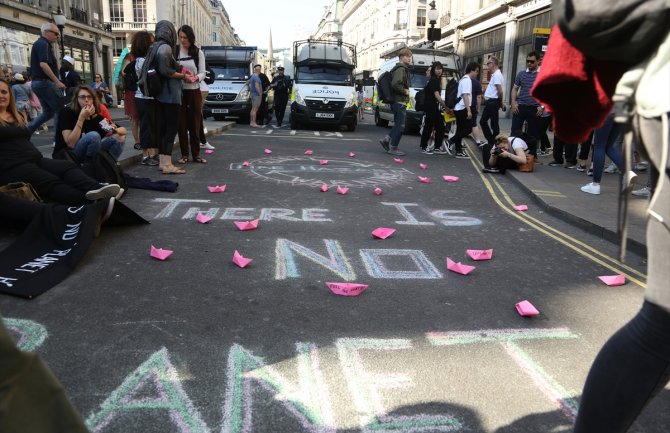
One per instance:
(83, 130)
(508, 153)
(20, 161)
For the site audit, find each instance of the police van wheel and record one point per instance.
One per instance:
(379, 121)
(294, 124)
(351, 127)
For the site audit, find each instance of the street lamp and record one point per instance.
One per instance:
(433, 34)
(59, 19)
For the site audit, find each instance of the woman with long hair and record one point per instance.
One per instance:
(145, 105)
(58, 180)
(191, 59)
(83, 129)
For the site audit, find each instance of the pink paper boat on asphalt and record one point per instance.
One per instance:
(218, 188)
(613, 280)
(160, 253)
(398, 160)
(382, 232)
(526, 309)
(323, 162)
(246, 225)
(209, 151)
(240, 261)
(423, 166)
(309, 152)
(480, 254)
(378, 191)
(521, 207)
(424, 179)
(450, 178)
(347, 289)
(342, 190)
(459, 268)
(202, 218)
(245, 164)
(267, 151)
(352, 155)
(324, 188)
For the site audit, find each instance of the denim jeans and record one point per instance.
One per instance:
(51, 99)
(399, 114)
(90, 143)
(607, 140)
(527, 113)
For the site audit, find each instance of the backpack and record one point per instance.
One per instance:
(104, 168)
(529, 139)
(209, 72)
(450, 98)
(151, 82)
(384, 89)
(130, 77)
(420, 100)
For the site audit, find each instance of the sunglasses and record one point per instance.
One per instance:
(54, 32)
(85, 97)
(531, 61)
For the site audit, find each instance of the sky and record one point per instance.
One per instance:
(290, 20)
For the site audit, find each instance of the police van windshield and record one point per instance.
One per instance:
(231, 72)
(325, 75)
(417, 78)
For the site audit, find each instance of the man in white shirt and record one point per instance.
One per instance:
(463, 111)
(493, 101)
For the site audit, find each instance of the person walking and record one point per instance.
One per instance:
(263, 117)
(463, 111)
(433, 106)
(44, 71)
(400, 91)
(525, 108)
(282, 87)
(69, 76)
(145, 105)
(493, 102)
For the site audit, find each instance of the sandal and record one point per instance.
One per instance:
(171, 169)
(183, 160)
(200, 160)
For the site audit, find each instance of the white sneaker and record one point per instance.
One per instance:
(105, 191)
(120, 194)
(642, 165)
(612, 168)
(642, 192)
(591, 188)
(629, 180)
(207, 146)
(204, 130)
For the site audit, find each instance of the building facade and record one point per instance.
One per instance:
(84, 36)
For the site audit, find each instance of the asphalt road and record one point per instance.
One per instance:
(197, 344)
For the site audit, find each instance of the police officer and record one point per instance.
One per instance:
(282, 86)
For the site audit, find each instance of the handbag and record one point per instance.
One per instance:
(529, 165)
(21, 190)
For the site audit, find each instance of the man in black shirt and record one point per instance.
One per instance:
(282, 85)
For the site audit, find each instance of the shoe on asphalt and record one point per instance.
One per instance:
(441, 151)
(591, 188)
(204, 129)
(481, 143)
(570, 166)
(395, 151)
(642, 192)
(490, 170)
(581, 168)
(642, 165)
(105, 191)
(207, 146)
(145, 160)
(555, 164)
(427, 151)
(137, 146)
(120, 194)
(385, 143)
(108, 211)
(543, 153)
(450, 147)
(612, 168)
(431, 145)
(589, 172)
(462, 155)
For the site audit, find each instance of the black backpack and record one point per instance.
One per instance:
(104, 168)
(209, 72)
(384, 89)
(150, 81)
(420, 100)
(450, 98)
(529, 139)
(130, 77)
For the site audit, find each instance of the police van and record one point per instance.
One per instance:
(324, 92)
(422, 59)
(229, 95)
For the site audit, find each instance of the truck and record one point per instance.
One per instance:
(422, 59)
(324, 91)
(229, 95)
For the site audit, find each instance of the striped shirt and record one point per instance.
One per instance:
(524, 80)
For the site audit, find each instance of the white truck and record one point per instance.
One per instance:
(229, 94)
(324, 92)
(422, 59)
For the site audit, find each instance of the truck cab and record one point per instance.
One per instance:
(422, 59)
(229, 95)
(324, 91)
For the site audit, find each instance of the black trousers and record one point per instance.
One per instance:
(280, 107)
(490, 113)
(570, 151)
(58, 180)
(167, 122)
(463, 129)
(146, 110)
(434, 120)
(542, 126)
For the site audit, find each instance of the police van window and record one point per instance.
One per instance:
(417, 78)
(325, 74)
(231, 72)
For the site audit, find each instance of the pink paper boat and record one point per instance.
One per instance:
(382, 232)
(450, 178)
(352, 155)
(245, 164)
(267, 151)
(423, 166)
(323, 162)
(480, 254)
(378, 191)
(521, 207)
(246, 225)
(424, 179)
(398, 160)
(342, 190)
(347, 289)
(240, 261)
(324, 188)
(160, 253)
(309, 152)
(202, 218)
(209, 151)
(459, 268)
(218, 188)
(526, 309)
(613, 280)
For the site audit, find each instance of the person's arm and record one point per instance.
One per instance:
(479, 103)
(515, 107)
(518, 155)
(466, 102)
(72, 136)
(165, 68)
(47, 70)
(202, 71)
(501, 94)
(257, 86)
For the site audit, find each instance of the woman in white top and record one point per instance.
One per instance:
(508, 153)
(146, 111)
(192, 59)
